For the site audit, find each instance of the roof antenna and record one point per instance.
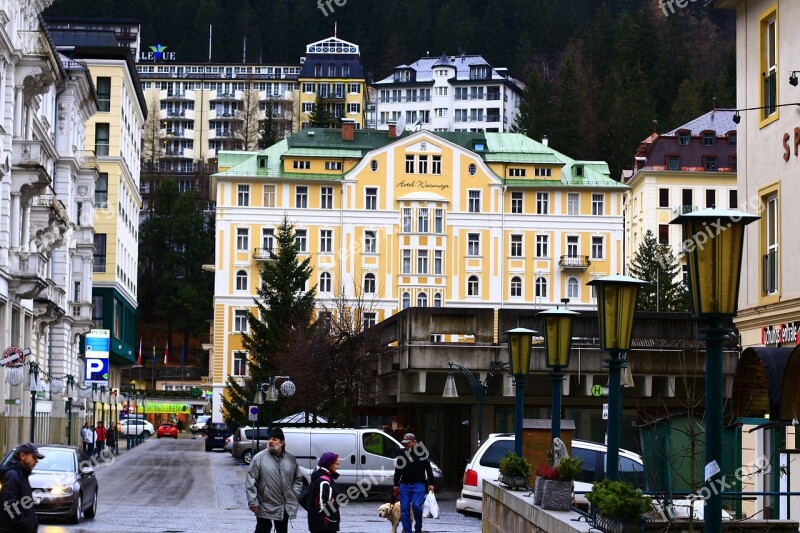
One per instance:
(334, 28)
(713, 103)
(655, 125)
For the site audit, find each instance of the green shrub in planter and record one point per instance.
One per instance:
(619, 500)
(514, 465)
(569, 468)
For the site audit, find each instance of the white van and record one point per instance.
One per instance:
(366, 455)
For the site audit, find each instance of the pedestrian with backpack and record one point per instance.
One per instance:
(16, 510)
(323, 510)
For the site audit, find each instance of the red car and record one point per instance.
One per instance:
(167, 430)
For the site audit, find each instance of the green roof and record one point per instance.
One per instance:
(324, 152)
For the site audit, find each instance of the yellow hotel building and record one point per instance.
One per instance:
(457, 219)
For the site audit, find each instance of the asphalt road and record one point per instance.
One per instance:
(174, 486)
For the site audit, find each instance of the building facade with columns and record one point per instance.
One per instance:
(487, 220)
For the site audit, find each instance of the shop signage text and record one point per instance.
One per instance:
(787, 148)
(780, 334)
(157, 53)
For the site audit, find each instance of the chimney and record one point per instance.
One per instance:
(392, 129)
(348, 129)
(545, 141)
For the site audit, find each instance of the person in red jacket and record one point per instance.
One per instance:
(100, 442)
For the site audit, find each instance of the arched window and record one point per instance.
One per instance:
(472, 286)
(369, 283)
(516, 287)
(422, 300)
(325, 282)
(437, 299)
(241, 280)
(406, 300)
(572, 289)
(541, 287)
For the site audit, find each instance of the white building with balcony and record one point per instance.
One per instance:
(449, 93)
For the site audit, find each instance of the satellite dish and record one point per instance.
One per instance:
(401, 125)
(416, 124)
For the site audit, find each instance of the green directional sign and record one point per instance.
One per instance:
(597, 390)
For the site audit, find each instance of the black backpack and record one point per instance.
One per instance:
(307, 494)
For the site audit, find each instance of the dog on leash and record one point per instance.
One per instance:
(391, 512)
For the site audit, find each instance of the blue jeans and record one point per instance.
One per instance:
(411, 496)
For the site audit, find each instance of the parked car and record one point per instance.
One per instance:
(63, 484)
(216, 432)
(136, 426)
(229, 444)
(364, 454)
(486, 462)
(199, 425)
(167, 429)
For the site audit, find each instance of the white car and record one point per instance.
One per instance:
(136, 426)
(486, 462)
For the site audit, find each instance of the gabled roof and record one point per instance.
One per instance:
(717, 120)
(424, 68)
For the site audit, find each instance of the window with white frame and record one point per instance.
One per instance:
(308, 107)
(516, 202)
(422, 261)
(473, 286)
(353, 108)
(269, 195)
(598, 204)
(542, 203)
(268, 239)
(239, 363)
(543, 172)
(301, 165)
(474, 201)
(437, 261)
(406, 300)
(409, 164)
(422, 300)
(406, 261)
(438, 220)
(369, 283)
(516, 287)
(572, 246)
(541, 287)
(370, 242)
(422, 164)
(242, 239)
(516, 172)
(369, 320)
(407, 219)
(325, 241)
(333, 165)
(516, 246)
(770, 260)
(473, 244)
(241, 280)
(436, 164)
(573, 203)
(301, 240)
(597, 247)
(325, 282)
(326, 197)
(437, 299)
(422, 220)
(572, 289)
(371, 198)
(243, 195)
(301, 197)
(240, 320)
(542, 246)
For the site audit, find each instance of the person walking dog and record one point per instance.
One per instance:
(17, 513)
(412, 472)
(273, 483)
(323, 510)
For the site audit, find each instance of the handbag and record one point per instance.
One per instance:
(430, 509)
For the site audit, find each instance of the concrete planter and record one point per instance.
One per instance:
(557, 495)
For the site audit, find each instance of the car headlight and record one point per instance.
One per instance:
(61, 490)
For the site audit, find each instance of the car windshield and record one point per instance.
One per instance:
(56, 460)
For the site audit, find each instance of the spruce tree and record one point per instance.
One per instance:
(655, 264)
(320, 116)
(284, 310)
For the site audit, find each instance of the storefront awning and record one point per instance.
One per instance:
(766, 383)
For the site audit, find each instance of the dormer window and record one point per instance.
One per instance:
(684, 138)
(345, 70)
(708, 139)
(317, 70)
(402, 76)
(732, 139)
(331, 70)
(479, 72)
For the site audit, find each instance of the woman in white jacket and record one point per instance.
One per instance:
(88, 436)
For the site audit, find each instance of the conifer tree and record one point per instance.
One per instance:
(655, 264)
(320, 116)
(284, 307)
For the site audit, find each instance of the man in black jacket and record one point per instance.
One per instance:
(17, 512)
(412, 472)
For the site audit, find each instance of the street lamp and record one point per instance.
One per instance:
(714, 242)
(94, 403)
(616, 305)
(33, 373)
(557, 345)
(519, 359)
(103, 404)
(68, 397)
(269, 392)
(479, 389)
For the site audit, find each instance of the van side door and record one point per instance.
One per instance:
(376, 459)
(343, 443)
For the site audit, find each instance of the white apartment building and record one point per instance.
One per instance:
(449, 93)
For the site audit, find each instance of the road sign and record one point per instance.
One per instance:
(97, 347)
(252, 415)
(13, 357)
(597, 390)
(605, 411)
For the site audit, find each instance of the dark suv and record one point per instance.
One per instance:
(216, 433)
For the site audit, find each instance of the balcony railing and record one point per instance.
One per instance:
(262, 254)
(574, 261)
(770, 273)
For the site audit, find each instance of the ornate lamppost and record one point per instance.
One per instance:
(616, 305)
(519, 348)
(557, 345)
(68, 405)
(479, 388)
(33, 373)
(714, 242)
